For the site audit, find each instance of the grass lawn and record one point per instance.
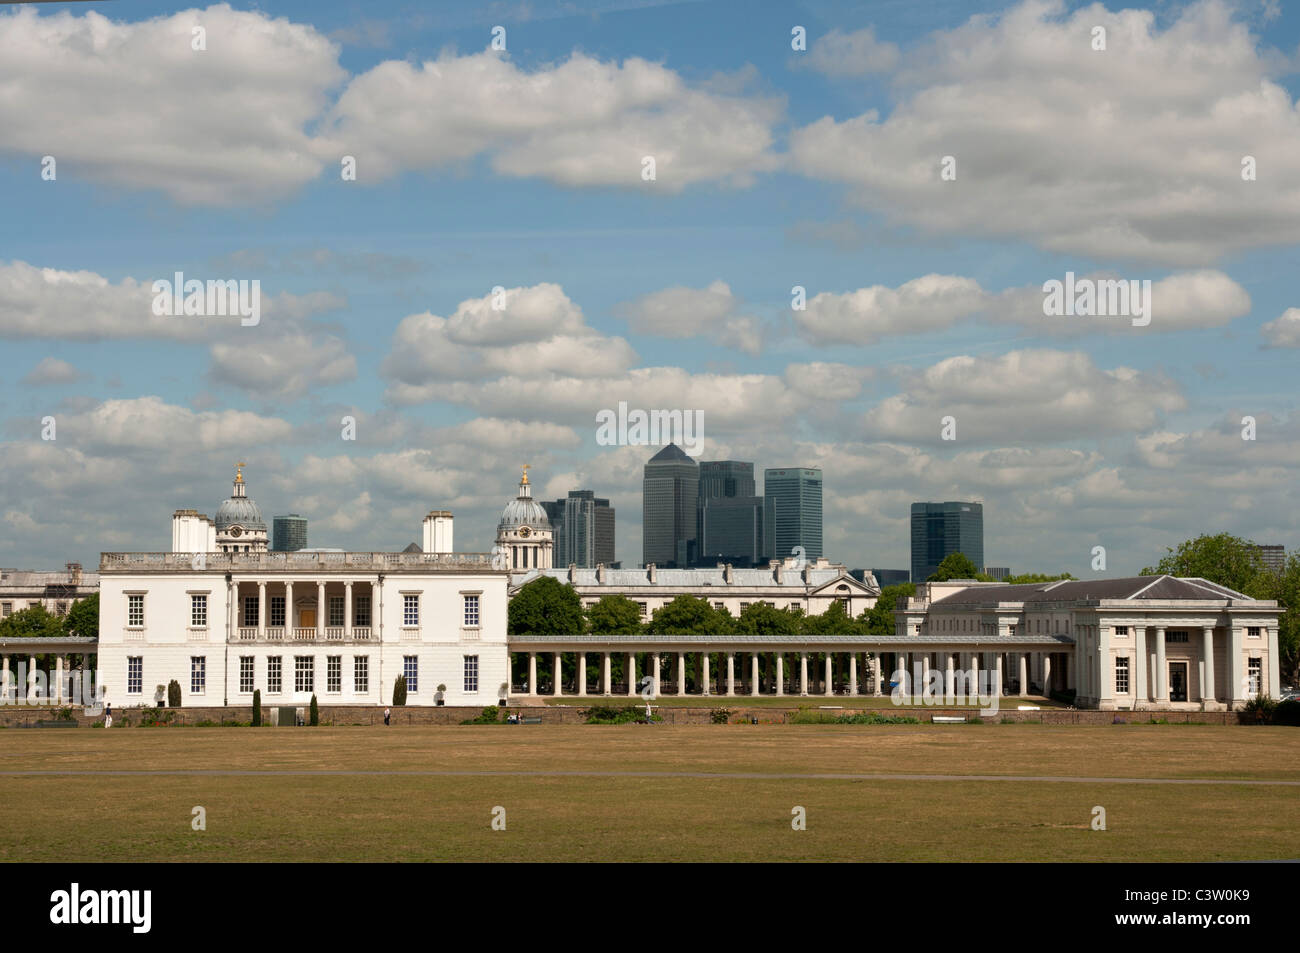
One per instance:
(551, 815)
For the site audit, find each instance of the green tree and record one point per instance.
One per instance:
(399, 690)
(880, 618)
(1284, 586)
(83, 617)
(1223, 558)
(257, 708)
(173, 694)
(834, 621)
(546, 606)
(759, 618)
(315, 712)
(688, 615)
(34, 622)
(956, 566)
(614, 615)
(1031, 577)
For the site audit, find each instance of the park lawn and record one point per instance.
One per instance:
(573, 817)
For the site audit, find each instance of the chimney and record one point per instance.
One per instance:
(726, 573)
(807, 573)
(650, 571)
(777, 568)
(74, 573)
(573, 571)
(600, 574)
(437, 532)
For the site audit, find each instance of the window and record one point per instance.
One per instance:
(135, 610)
(411, 609)
(718, 606)
(334, 673)
(1254, 677)
(277, 611)
(471, 612)
(274, 671)
(1175, 637)
(198, 612)
(6, 609)
(250, 611)
(198, 674)
(1253, 631)
(1121, 630)
(60, 608)
(361, 608)
(471, 673)
(1121, 675)
(641, 607)
(336, 612)
(743, 607)
(134, 674)
(304, 673)
(246, 674)
(361, 674)
(411, 669)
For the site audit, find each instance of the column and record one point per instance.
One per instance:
(1209, 690)
(347, 610)
(655, 688)
(261, 611)
(605, 685)
(31, 674)
(704, 670)
(753, 673)
(631, 673)
(1272, 673)
(1141, 697)
(558, 688)
(532, 673)
(830, 684)
(1024, 673)
(949, 679)
(853, 674)
(900, 666)
(4, 677)
(1047, 674)
(1236, 667)
(925, 675)
(731, 673)
(681, 673)
(803, 673)
(57, 694)
(582, 673)
(780, 673)
(320, 610)
(288, 614)
(1162, 670)
(997, 686)
(880, 664)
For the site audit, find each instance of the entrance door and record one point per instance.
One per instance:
(306, 618)
(1178, 681)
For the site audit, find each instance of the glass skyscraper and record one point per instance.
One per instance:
(730, 524)
(583, 530)
(792, 512)
(941, 529)
(288, 533)
(669, 496)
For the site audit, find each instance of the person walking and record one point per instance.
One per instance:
(387, 715)
(108, 715)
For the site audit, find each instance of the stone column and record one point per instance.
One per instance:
(1024, 673)
(753, 673)
(57, 694)
(780, 673)
(1162, 669)
(853, 674)
(532, 673)
(288, 611)
(261, 611)
(1047, 674)
(31, 674)
(704, 673)
(803, 673)
(658, 684)
(998, 684)
(949, 679)
(1209, 692)
(347, 610)
(1271, 675)
(4, 677)
(1140, 694)
(631, 673)
(681, 673)
(880, 664)
(582, 673)
(559, 690)
(1236, 667)
(731, 673)
(320, 610)
(830, 675)
(605, 685)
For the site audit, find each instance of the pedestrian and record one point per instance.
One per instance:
(387, 715)
(108, 715)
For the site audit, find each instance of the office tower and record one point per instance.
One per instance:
(941, 529)
(583, 528)
(669, 496)
(726, 478)
(288, 533)
(729, 523)
(887, 577)
(792, 512)
(997, 572)
(1273, 555)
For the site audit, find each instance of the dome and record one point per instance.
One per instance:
(239, 511)
(524, 511)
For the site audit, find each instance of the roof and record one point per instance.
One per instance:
(671, 454)
(33, 579)
(1088, 590)
(689, 578)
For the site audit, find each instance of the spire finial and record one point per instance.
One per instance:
(239, 471)
(524, 481)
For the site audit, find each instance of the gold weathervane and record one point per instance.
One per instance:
(239, 471)
(524, 481)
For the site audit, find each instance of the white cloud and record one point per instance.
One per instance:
(1283, 331)
(849, 54)
(1131, 153)
(51, 370)
(150, 423)
(680, 312)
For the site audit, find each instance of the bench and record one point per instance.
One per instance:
(535, 720)
(948, 719)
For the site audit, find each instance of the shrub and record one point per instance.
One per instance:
(491, 715)
(173, 694)
(314, 718)
(719, 716)
(64, 714)
(611, 714)
(1259, 710)
(399, 691)
(807, 717)
(1287, 713)
(257, 708)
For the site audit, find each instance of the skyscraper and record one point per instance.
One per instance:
(792, 512)
(288, 533)
(730, 515)
(941, 529)
(584, 529)
(669, 495)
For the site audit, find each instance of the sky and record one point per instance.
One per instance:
(920, 171)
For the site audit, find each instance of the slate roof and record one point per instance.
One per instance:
(682, 578)
(1082, 590)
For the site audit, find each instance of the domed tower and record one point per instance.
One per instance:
(524, 533)
(239, 524)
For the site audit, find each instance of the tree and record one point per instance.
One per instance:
(880, 618)
(759, 618)
(688, 615)
(1032, 577)
(614, 615)
(1284, 586)
(173, 694)
(34, 622)
(315, 712)
(546, 606)
(1223, 558)
(257, 708)
(399, 690)
(956, 566)
(82, 619)
(834, 621)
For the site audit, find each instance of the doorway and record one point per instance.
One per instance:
(1178, 681)
(306, 618)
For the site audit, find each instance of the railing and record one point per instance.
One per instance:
(198, 633)
(133, 635)
(361, 633)
(275, 633)
(248, 633)
(304, 635)
(120, 562)
(334, 633)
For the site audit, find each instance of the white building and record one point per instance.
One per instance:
(340, 625)
(56, 590)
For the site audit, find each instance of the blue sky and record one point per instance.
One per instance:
(776, 168)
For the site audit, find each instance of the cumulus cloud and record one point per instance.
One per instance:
(1283, 331)
(1032, 115)
(150, 423)
(680, 312)
(842, 54)
(51, 370)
